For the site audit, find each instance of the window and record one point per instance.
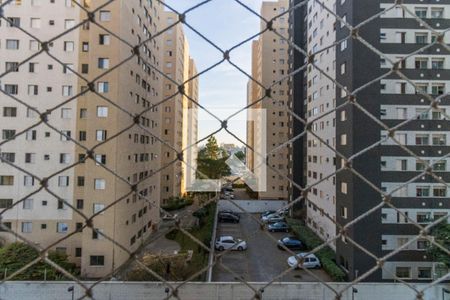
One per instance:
(423, 244)
(98, 207)
(67, 90)
(64, 158)
(66, 113)
(32, 67)
(11, 66)
(423, 191)
(78, 252)
(30, 158)
(97, 260)
(63, 181)
(5, 203)
(103, 87)
(104, 39)
(103, 63)
(422, 139)
(421, 63)
(80, 203)
(65, 135)
(35, 23)
(439, 139)
(101, 135)
(421, 12)
(100, 159)
(12, 44)
(28, 180)
(33, 89)
(68, 24)
(27, 204)
(62, 227)
(344, 212)
(9, 111)
(8, 134)
(403, 272)
(11, 89)
(437, 12)
(424, 273)
(13, 22)
(97, 234)
(27, 227)
(80, 181)
(102, 111)
(440, 166)
(344, 188)
(8, 156)
(421, 38)
(439, 191)
(6, 180)
(423, 217)
(438, 89)
(85, 46)
(105, 15)
(437, 63)
(69, 46)
(35, 45)
(100, 184)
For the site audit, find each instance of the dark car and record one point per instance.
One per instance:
(290, 243)
(267, 213)
(278, 227)
(228, 218)
(229, 212)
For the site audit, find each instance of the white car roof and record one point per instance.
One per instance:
(226, 237)
(303, 254)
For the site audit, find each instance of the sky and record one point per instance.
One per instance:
(223, 90)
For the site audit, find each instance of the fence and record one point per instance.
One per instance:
(184, 289)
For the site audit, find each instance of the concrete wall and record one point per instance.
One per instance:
(209, 291)
(252, 206)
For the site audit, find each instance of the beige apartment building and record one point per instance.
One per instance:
(270, 128)
(123, 157)
(177, 126)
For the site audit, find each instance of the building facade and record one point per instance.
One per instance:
(393, 100)
(179, 128)
(124, 156)
(269, 128)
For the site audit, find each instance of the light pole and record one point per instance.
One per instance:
(72, 290)
(354, 291)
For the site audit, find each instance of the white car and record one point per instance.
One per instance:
(310, 261)
(227, 242)
(273, 218)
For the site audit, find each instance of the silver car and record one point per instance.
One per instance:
(227, 242)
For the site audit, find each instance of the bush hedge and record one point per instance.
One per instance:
(176, 203)
(326, 254)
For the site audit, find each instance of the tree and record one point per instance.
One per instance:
(211, 161)
(240, 155)
(16, 255)
(441, 233)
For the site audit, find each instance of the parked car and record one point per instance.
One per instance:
(227, 242)
(228, 218)
(278, 227)
(291, 243)
(170, 217)
(274, 218)
(227, 211)
(310, 261)
(267, 212)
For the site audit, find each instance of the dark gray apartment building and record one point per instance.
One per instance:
(395, 100)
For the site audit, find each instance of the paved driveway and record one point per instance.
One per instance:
(262, 261)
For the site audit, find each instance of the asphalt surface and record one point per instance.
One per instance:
(262, 261)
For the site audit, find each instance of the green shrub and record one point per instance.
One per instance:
(175, 203)
(326, 254)
(16, 255)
